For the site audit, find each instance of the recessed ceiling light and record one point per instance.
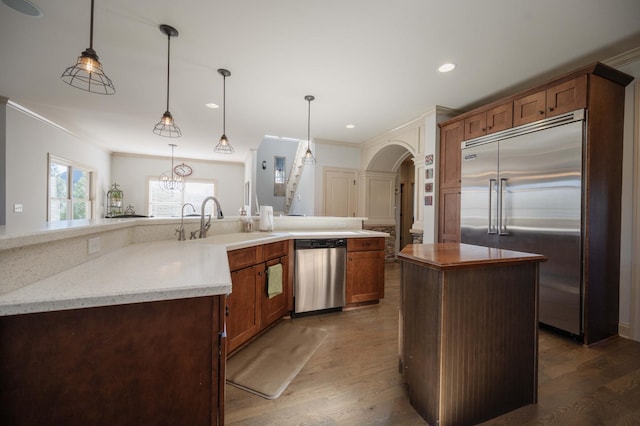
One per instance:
(212, 105)
(350, 126)
(446, 67)
(23, 6)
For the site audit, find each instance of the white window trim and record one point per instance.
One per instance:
(76, 165)
(157, 178)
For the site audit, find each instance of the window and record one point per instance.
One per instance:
(69, 191)
(163, 203)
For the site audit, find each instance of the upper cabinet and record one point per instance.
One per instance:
(490, 121)
(558, 99)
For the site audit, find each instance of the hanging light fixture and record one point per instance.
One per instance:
(87, 73)
(169, 180)
(224, 147)
(308, 158)
(166, 126)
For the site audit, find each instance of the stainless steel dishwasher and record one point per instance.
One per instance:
(320, 275)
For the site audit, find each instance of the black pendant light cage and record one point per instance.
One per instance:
(223, 146)
(169, 181)
(166, 126)
(87, 73)
(308, 159)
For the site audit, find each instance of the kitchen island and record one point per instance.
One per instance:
(133, 335)
(469, 330)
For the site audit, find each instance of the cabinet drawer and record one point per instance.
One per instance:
(365, 244)
(273, 250)
(242, 258)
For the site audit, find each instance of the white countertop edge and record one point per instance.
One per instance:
(49, 295)
(112, 300)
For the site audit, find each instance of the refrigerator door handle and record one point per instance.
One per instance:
(492, 228)
(501, 215)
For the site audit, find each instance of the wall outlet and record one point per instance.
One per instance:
(93, 245)
(17, 208)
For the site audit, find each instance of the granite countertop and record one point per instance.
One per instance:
(149, 271)
(453, 255)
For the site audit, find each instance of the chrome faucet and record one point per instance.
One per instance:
(180, 231)
(204, 227)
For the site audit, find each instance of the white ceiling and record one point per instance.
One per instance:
(371, 63)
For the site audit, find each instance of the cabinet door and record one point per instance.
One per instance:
(475, 126)
(275, 308)
(449, 219)
(243, 305)
(365, 276)
(500, 118)
(450, 139)
(567, 96)
(529, 108)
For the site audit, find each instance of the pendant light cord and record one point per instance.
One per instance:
(309, 125)
(168, 67)
(91, 28)
(224, 104)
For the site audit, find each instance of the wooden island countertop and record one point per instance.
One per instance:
(453, 255)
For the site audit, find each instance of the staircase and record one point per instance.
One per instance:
(294, 176)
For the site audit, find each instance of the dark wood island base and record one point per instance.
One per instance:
(469, 331)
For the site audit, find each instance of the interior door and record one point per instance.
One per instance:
(340, 192)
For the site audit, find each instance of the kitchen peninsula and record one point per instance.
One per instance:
(134, 332)
(469, 330)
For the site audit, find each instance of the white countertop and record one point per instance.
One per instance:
(150, 271)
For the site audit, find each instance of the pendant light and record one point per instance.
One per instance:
(309, 159)
(224, 147)
(87, 73)
(169, 180)
(166, 126)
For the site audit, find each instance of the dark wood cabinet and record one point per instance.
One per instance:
(564, 97)
(468, 331)
(449, 219)
(365, 270)
(244, 305)
(140, 363)
(451, 136)
(486, 122)
(249, 309)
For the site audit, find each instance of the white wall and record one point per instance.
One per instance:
(629, 268)
(268, 149)
(330, 154)
(130, 173)
(29, 140)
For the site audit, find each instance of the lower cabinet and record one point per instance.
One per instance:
(365, 270)
(142, 363)
(249, 309)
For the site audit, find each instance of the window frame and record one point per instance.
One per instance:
(71, 165)
(186, 182)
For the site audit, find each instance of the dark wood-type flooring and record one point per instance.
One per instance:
(353, 378)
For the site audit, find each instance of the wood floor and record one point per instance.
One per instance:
(353, 378)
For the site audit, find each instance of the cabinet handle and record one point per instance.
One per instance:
(490, 127)
(350, 259)
(226, 310)
(550, 109)
(541, 112)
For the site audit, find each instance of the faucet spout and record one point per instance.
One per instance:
(204, 227)
(180, 231)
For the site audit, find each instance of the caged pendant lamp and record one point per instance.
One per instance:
(309, 159)
(166, 126)
(169, 180)
(224, 147)
(87, 73)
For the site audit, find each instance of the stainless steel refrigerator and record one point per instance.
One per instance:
(522, 190)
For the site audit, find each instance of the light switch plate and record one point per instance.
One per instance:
(17, 208)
